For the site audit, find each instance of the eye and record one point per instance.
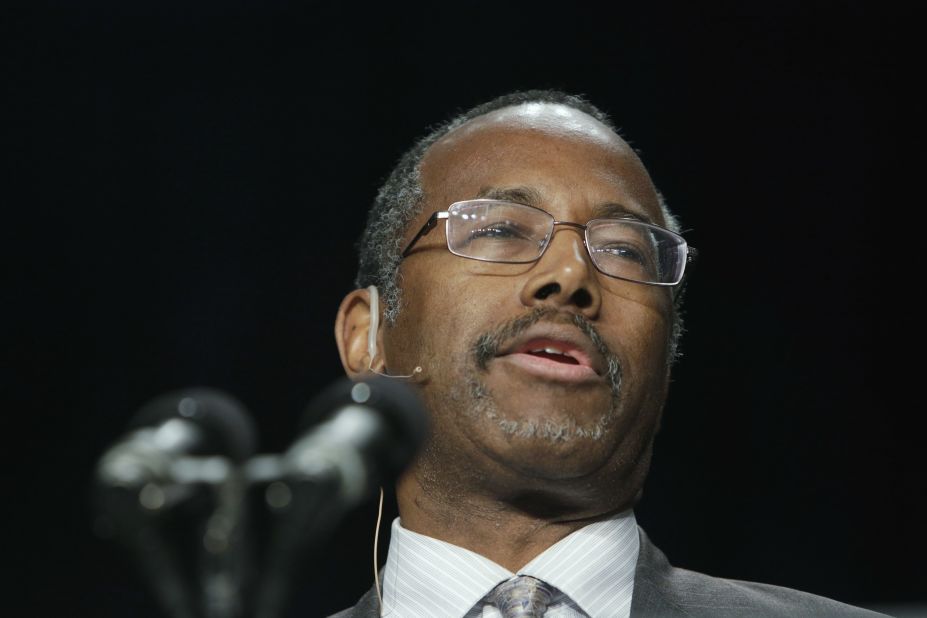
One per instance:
(502, 230)
(623, 251)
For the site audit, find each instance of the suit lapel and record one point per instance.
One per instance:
(367, 607)
(654, 590)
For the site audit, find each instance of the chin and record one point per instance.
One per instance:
(552, 431)
(549, 450)
(549, 412)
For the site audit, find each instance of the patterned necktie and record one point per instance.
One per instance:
(521, 597)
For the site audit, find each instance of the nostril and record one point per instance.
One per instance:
(547, 290)
(582, 298)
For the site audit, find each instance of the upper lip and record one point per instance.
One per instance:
(565, 338)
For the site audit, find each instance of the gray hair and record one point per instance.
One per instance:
(401, 199)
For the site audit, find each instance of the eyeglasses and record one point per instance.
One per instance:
(497, 231)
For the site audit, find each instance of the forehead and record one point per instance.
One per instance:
(556, 151)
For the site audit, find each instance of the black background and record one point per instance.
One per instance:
(185, 185)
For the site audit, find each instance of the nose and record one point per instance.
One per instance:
(564, 277)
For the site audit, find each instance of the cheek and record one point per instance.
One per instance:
(448, 291)
(641, 324)
(436, 312)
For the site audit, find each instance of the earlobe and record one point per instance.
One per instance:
(352, 326)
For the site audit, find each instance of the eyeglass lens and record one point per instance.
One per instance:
(515, 233)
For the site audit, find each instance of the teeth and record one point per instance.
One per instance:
(549, 350)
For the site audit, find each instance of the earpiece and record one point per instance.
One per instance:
(372, 337)
(374, 324)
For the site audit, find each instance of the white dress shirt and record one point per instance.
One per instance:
(592, 570)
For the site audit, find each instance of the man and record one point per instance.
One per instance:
(528, 280)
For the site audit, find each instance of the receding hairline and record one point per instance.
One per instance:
(555, 118)
(552, 120)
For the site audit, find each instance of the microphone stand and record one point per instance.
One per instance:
(311, 514)
(305, 509)
(144, 539)
(159, 566)
(137, 513)
(224, 551)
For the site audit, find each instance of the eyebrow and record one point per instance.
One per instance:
(520, 195)
(531, 197)
(618, 211)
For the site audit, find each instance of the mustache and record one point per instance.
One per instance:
(488, 344)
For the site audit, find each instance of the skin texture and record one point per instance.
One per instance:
(514, 462)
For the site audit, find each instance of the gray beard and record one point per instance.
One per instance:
(479, 401)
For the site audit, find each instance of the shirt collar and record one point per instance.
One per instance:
(594, 566)
(427, 577)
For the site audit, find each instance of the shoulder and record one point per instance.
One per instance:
(367, 607)
(661, 589)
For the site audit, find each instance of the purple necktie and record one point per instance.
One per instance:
(521, 597)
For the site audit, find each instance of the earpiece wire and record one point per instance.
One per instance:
(376, 543)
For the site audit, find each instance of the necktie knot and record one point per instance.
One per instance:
(521, 597)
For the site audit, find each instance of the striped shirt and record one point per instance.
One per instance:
(592, 570)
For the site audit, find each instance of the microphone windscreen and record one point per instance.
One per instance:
(397, 404)
(224, 422)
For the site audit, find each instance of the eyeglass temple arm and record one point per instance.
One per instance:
(691, 254)
(429, 225)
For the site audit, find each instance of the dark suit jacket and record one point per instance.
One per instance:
(660, 589)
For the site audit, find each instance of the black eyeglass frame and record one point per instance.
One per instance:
(690, 252)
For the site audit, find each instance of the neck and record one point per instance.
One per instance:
(510, 530)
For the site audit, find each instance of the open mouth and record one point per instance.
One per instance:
(552, 359)
(554, 354)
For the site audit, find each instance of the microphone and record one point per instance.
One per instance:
(171, 430)
(183, 450)
(417, 376)
(359, 436)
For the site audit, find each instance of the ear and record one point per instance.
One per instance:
(351, 328)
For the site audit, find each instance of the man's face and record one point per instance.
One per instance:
(503, 407)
